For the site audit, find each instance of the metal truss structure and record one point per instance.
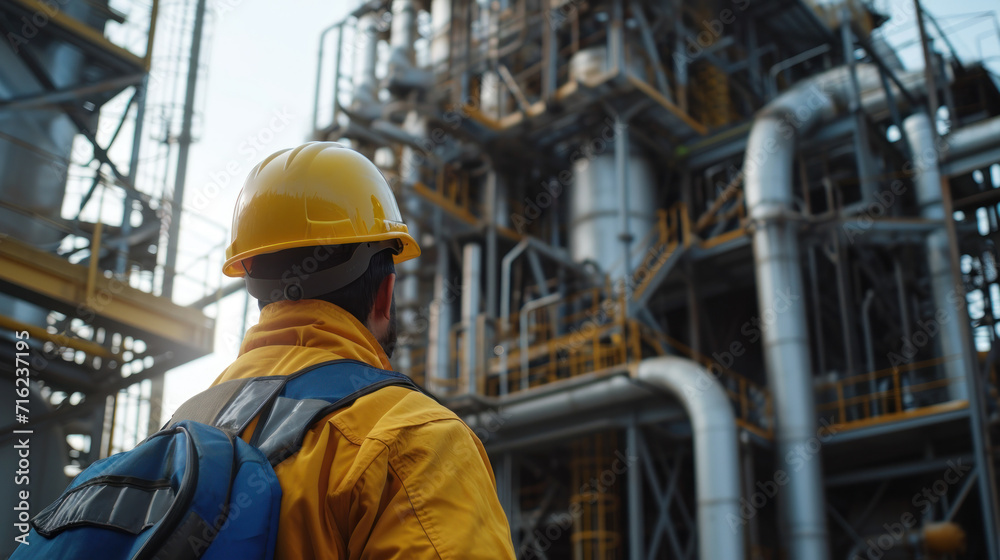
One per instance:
(83, 278)
(710, 279)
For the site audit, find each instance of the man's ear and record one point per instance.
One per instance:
(382, 309)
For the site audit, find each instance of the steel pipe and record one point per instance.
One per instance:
(403, 31)
(554, 254)
(523, 347)
(866, 326)
(365, 95)
(440, 310)
(713, 425)
(951, 314)
(971, 139)
(440, 48)
(472, 261)
(770, 205)
(948, 304)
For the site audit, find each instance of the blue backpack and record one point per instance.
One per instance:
(195, 489)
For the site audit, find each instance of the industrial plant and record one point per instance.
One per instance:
(710, 279)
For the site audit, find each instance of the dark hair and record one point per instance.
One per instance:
(357, 298)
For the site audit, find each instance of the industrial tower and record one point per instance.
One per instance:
(87, 324)
(711, 279)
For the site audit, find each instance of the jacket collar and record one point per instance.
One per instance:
(318, 324)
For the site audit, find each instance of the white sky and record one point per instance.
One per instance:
(261, 63)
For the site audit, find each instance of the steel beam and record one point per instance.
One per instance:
(48, 98)
(184, 142)
(83, 36)
(887, 472)
(54, 283)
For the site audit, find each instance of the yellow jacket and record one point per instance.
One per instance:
(395, 475)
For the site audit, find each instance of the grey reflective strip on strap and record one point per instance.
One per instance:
(113, 504)
(248, 403)
(230, 406)
(206, 406)
(286, 426)
(322, 282)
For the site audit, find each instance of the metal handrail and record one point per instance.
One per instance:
(855, 401)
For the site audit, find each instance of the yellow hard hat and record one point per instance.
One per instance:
(320, 193)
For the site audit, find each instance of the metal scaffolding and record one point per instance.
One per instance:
(760, 194)
(81, 276)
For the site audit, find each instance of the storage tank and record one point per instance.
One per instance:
(595, 220)
(33, 166)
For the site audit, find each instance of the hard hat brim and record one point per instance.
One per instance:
(411, 250)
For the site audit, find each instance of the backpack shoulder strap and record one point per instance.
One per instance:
(288, 405)
(310, 395)
(334, 380)
(230, 406)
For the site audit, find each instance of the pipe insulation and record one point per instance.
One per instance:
(366, 84)
(770, 204)
(440, 314)
(595, 211)
(971, 139)
(472, 262)
(713, 425)
(409, 271)
(403, 32)
(440, 47)
(948, 302)
(402, 74)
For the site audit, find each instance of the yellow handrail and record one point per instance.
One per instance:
(601, 337)
(868, 402)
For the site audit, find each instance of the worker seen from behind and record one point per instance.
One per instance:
(316, 233)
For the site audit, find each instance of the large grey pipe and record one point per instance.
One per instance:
(409, 271)
(403, 32)
(973, 138)
(770, 204)
(948, 304)
(440, 48)
(400, 75)
(365, 61)
(440, 313)
(716, 452)
(472, 262)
